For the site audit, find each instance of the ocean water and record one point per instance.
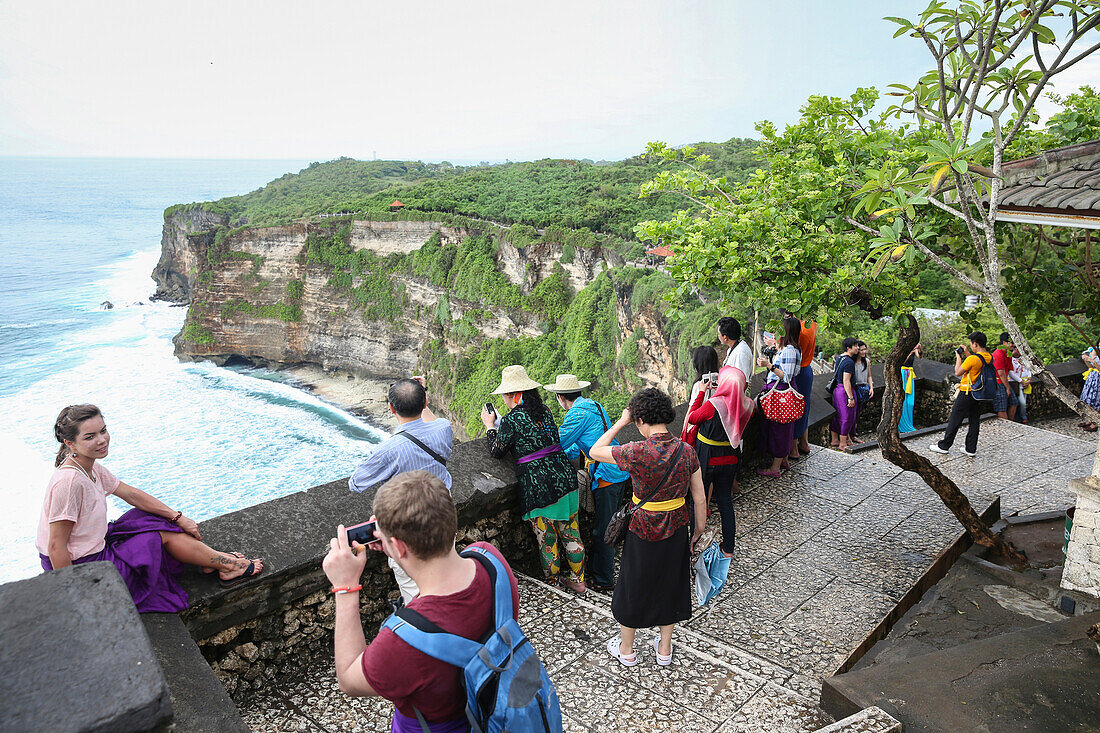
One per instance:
(203, 439)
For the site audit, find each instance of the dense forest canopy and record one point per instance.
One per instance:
(602, 197)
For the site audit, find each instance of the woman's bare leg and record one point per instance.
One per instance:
(626, 646)
(191, 551)
(664, 646)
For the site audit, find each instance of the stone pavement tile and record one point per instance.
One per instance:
(308, 698)
(732, 655)
(777, 591)
(749, 560)
(569, 725)
(783, 532)
(788, 490)
(536, 601)
(804, 651)
(751, 511)
(825, 463)
(908, 488)
(843, 489)
(879, 565)
(804, 685)
(693, 679)
(925, 532)
(569, 632)
(874, 517)
(776, 710)
(606, 702)
(843, 612)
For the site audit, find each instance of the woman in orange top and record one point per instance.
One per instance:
(804, 382)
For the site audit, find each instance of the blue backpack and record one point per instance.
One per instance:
(985, 386)
(507, 688)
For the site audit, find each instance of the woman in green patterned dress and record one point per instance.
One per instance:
(547, 480)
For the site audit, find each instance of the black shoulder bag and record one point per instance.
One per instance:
(620, 520)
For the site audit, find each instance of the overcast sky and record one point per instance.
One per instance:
(461, 80)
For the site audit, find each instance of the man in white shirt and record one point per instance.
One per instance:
(740, 353)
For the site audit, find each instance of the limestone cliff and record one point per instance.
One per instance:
(356, 297)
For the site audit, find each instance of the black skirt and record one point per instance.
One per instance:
(654, 587)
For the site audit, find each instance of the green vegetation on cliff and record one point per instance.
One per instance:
(570, 194)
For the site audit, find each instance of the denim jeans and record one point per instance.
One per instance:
(601, 557)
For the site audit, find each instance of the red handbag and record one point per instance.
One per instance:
(782, 404)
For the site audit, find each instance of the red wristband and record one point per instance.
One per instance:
(176, 518)
(348, 589)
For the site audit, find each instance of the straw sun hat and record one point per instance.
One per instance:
(566, 383)
(514, 379)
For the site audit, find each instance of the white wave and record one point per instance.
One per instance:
(38, 324)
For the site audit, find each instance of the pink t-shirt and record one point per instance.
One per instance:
(71, 496)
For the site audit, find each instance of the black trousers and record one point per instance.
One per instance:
(965, 407)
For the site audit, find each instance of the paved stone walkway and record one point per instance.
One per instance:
(823, 553)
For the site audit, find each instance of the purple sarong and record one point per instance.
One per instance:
(776, 439)
(405, 724)
(844, 422)
(134, 547)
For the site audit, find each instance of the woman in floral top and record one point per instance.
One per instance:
(654, 587)
(547, 480)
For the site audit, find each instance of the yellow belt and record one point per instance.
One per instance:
(708, 441)
(660, 506)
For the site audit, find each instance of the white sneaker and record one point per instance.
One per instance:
(935, 448)
(965, 452)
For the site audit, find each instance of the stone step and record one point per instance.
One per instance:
(1039, 678)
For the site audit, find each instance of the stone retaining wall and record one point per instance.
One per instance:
(935, 389)
(247, 633)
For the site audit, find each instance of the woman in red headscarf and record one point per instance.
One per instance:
(722, 415)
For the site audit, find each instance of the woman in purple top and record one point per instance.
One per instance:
(149, 545)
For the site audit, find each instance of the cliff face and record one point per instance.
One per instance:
(269, 296)
(176, 271)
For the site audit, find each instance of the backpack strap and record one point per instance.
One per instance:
(431, 640)
(425, 636)
(501, 585)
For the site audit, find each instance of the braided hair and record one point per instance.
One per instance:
(67, 426)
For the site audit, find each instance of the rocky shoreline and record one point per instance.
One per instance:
(361, 396)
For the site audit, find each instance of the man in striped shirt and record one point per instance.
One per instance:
(421, 441)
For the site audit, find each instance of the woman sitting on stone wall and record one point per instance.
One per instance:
(149, 545)
(654, 586)
(547, 480)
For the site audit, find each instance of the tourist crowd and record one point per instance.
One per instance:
(423, 656)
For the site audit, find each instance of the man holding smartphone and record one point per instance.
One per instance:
(416, 527)
(421, 441)
(968, 366)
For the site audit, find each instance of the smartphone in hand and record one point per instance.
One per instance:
(363, 533)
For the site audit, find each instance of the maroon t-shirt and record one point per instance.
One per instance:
(410, 678)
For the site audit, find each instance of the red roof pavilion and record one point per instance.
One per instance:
(661, 251)
(397, 204)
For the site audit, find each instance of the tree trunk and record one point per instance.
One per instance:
(895, 451)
